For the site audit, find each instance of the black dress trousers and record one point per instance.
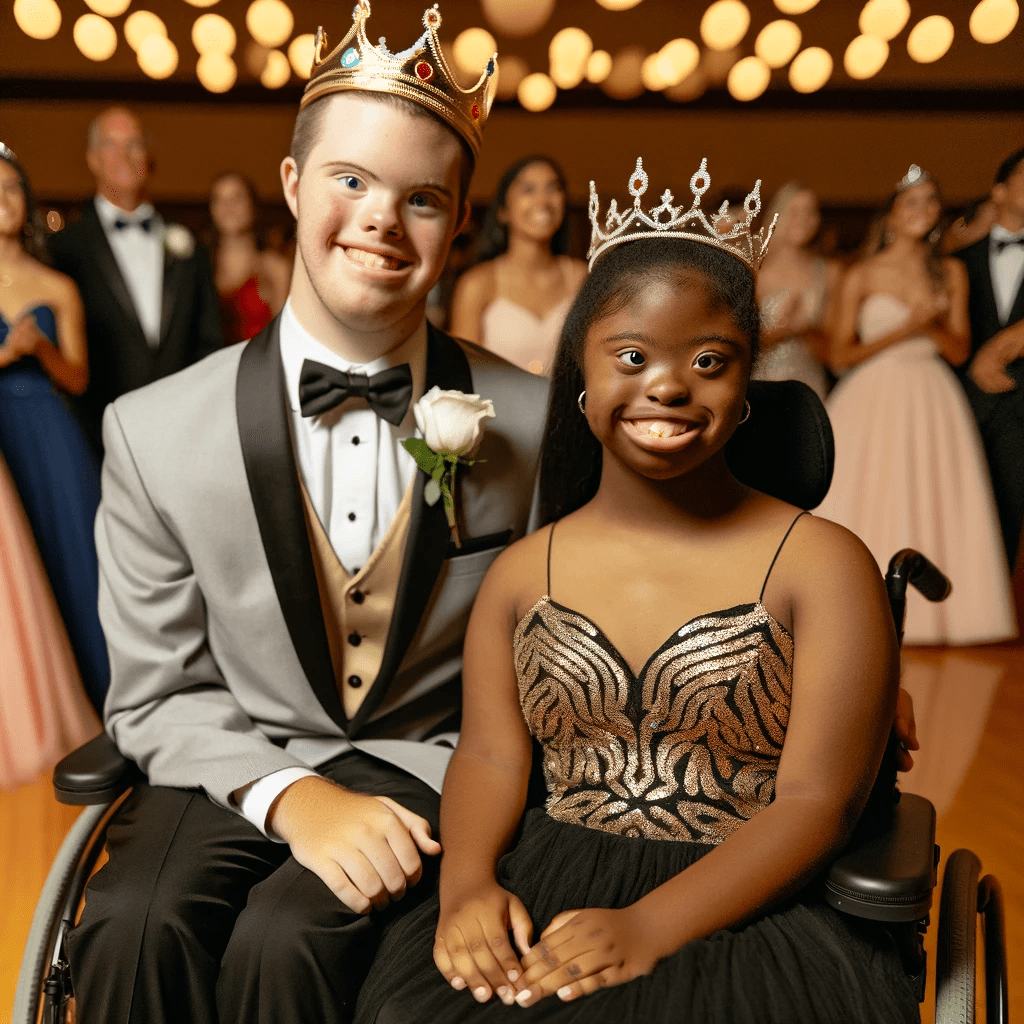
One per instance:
(198, 917)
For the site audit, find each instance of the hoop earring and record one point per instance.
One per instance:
(934, 236)
(581, 402)
(746, 414)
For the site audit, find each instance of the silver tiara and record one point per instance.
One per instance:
(7, 153)
(668, 221)
(915, 176)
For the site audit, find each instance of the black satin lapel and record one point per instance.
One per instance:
(427, 544)
(108, 267)
(986, 293)
(1017, 309)
(262, 410)
(173, 269)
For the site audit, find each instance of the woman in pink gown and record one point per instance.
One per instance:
(910, 470)
(44, 712)
(514, 300)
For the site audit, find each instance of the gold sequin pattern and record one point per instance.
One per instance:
(687, 751)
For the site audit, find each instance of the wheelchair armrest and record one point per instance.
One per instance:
(95, 773)
(891, 876)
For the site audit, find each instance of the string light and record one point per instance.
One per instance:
(277, 70)
(599, 66)
(795, 6)
(108, 8)
(511, 71)
(930, 38)
(865, 56)
(537, 92)
(517, 18)
(213, 34)
(95, 37)
(993, 20)
(216, 71)
(157, 56)
(38, 19)
(810, 70)
(724, 24)
(618, 5)
(300, 54)
(141, 24)
(472, 49)
(625, 81)
(884, 18)
(748, 78)
(677, 60)
(650, 74)
(778, 42)
(270, 22)
(568, 53)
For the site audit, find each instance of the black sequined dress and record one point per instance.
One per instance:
(645, 775)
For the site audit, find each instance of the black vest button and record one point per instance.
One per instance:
(358, 596)
(351, 517)
(355, 639)
(355, 440)
(355, 682)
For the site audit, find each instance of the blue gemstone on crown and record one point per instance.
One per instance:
(490, 67)
(350, 58)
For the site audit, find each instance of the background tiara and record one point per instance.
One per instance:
(419, 73)
(7, 153)
(668, 221)
(915, 176)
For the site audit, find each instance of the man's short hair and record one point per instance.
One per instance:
(309, 124)
(1009, 167)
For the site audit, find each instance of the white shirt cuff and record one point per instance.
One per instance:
(254, 802)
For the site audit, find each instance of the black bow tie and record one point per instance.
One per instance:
(1001, 243)
(388, 393)
(125, 222)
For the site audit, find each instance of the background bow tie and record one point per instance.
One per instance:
(388, 393)
(1001, 243)
(131, 222)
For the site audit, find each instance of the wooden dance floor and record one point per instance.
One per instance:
(970, 711)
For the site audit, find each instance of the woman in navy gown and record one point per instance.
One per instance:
(43, 349)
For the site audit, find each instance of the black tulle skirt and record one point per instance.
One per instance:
(802, 962)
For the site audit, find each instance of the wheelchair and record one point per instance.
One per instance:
(888, 877)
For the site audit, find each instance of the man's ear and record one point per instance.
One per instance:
(92, 162)
(290, 184)
(467, 212)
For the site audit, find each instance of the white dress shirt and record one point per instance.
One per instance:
(140, 257)
(355, 472)
(1006, 268)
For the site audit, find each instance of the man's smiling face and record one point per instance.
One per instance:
(377, 205)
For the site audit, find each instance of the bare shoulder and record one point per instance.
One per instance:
(477, 282)
(518, 577)
(59, 288)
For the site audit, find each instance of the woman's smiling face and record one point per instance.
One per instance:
(666, 377)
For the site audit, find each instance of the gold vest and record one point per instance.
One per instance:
(358, 609)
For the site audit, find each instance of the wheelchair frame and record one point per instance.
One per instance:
(889, 878)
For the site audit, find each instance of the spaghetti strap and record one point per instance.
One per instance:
(551, 537)
(778, 551)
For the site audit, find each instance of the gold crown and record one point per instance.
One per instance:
(668, 221)
(420, 74)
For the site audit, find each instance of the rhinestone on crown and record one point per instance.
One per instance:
(668, 221)
(915, 176)
(419, 73)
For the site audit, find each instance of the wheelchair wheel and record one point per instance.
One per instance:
(42, 966)
(956, 955)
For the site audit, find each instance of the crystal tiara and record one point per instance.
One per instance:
(668, 221)
(7, 153)
(915, 176)
(419, 73)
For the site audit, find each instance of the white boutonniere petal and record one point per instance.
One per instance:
(452, 424)
(179, 241)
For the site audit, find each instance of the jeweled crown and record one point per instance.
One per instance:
(668, 221)
(915, 176)
(419, 73)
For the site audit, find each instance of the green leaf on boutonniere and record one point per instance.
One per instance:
(431, 492)
(426, 458)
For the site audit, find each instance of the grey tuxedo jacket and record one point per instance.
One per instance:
(221, 669)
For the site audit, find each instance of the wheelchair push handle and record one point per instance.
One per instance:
(910, 567)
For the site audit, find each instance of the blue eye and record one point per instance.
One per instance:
(420, 200)
(351, 181)
(632, 358)
(708, 361)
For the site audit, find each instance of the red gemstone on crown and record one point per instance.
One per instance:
(475, 110)
(424, 72)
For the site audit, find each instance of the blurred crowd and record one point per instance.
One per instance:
(916, 346)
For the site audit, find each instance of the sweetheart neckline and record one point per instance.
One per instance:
(637, 677)
(25, 311)
(529, 312)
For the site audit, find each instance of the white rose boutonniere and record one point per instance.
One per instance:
(452, 424)
(178, 241)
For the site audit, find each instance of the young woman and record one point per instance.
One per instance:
(796, 289)
(709, 675)
(910, 470)
(43, 349)
(252, 281)
(514, 301)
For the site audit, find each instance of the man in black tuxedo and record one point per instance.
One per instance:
(150, 303)
(994, 378)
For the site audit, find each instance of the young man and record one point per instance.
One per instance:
(284, 610)
(150, 303)
(994, 380)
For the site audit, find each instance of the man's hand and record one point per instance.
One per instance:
(471, 946)
(906, 731)
(584, 950)
(365, 849)
(988, 369)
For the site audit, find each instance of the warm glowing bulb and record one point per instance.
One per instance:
(778, 42)
(276, 71)
(650, 75)
(724, 24)
(108, 8)
(157, 56)
(569, 51)
(216, 71)
(678, 59)
(511, 71)
(795, 6)
(993, 20)
(884, 18)
(202, 3)
(626, 78)
(39, 19)
(537, 92)
(517, 18)
(810, 70)
(141, 24)
(300, 54)
(472, 49)
(599, 66)
(95, 37)
(930, 38)
(213, 34)
(748, 78)
(270, 22)
(865, 56)
(618, 5)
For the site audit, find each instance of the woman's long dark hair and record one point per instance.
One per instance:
(33, 231)
(258, 230)
(570, 468)
(493, 238)
(877, 237)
